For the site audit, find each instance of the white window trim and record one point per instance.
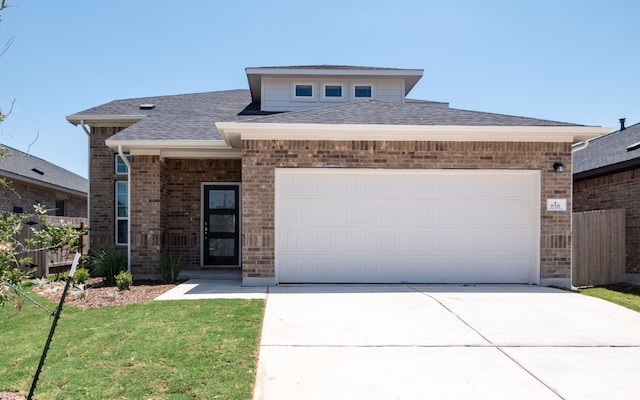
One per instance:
(353, 91)
(314, 92)
(332, 98)
(115, 164)
(118, 218)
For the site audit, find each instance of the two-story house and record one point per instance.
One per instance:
(331, 174)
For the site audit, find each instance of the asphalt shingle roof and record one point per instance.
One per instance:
(193, 116)
(179, 117)
(412, 113)
(23, 164)
(608, 151)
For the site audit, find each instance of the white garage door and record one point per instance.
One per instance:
(430, 226)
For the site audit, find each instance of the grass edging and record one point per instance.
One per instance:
(624, 294)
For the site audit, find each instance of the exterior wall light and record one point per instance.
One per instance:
(558, 166)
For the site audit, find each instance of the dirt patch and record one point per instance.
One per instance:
(11, 396)
(94, 293)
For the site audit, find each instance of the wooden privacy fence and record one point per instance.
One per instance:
(40, 259)
(598, 247)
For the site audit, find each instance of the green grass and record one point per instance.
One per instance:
(152, 350)
(624, 294)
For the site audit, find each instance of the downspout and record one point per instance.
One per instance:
(128, 164)
(87, 131)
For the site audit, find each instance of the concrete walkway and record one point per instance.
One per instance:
(213, 285)
(445, 342)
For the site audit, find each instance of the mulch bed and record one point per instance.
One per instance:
(95, 293)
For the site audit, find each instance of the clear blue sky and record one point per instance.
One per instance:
(565, 60)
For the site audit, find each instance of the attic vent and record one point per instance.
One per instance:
(633, 147)
(37, 171)
(147, 106)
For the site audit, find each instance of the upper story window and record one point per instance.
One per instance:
(121, 167)
(304, 90)
(332, 91)
(362, 91)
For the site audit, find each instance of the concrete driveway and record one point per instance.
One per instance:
(445, 342)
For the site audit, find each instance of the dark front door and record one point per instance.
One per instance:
(221, 225)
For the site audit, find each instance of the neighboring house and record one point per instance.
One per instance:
(32, 180)
(606, 176)
(330, 174)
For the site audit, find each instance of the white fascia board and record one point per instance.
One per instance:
(333, 72)
(104, 120)
(176, 148)
(236, 131)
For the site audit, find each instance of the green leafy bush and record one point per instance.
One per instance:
(108, 263)
(124, 280)
(169, 267)
(81, 275)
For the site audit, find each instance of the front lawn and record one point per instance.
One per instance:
(624, 294)
(202, 349)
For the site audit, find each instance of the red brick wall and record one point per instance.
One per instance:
(260, 158)
(618, 190)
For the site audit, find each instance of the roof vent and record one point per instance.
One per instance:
(147, 106)
(633, 147)
(37, 171)
(622, 127)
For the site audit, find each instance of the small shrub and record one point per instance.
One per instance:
(39, 282)
(169, 267)
(79, 292)
(81, 275)
(108, 263)
(124, 280)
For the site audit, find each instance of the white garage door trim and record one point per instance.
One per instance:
(335, 225)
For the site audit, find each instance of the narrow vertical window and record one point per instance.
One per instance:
(59, 207)
(122, 212)
(121, 167)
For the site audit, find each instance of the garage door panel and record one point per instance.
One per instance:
(407, 226)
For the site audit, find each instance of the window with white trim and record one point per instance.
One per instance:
(332, 91)
(122, 212)
(304, 91)
(121, 167)
(362, 91)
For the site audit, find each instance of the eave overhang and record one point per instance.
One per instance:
(176, 148)
(235, 132)
(35, 182)
(104, 120)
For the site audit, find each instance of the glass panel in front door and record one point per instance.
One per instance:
(221, 225)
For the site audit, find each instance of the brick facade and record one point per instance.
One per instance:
(102, 191)
(261, 157)
(26, 195)
(617, 190)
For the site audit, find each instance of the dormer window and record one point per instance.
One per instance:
(362, 91)
(304, 90)
(332, 91)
